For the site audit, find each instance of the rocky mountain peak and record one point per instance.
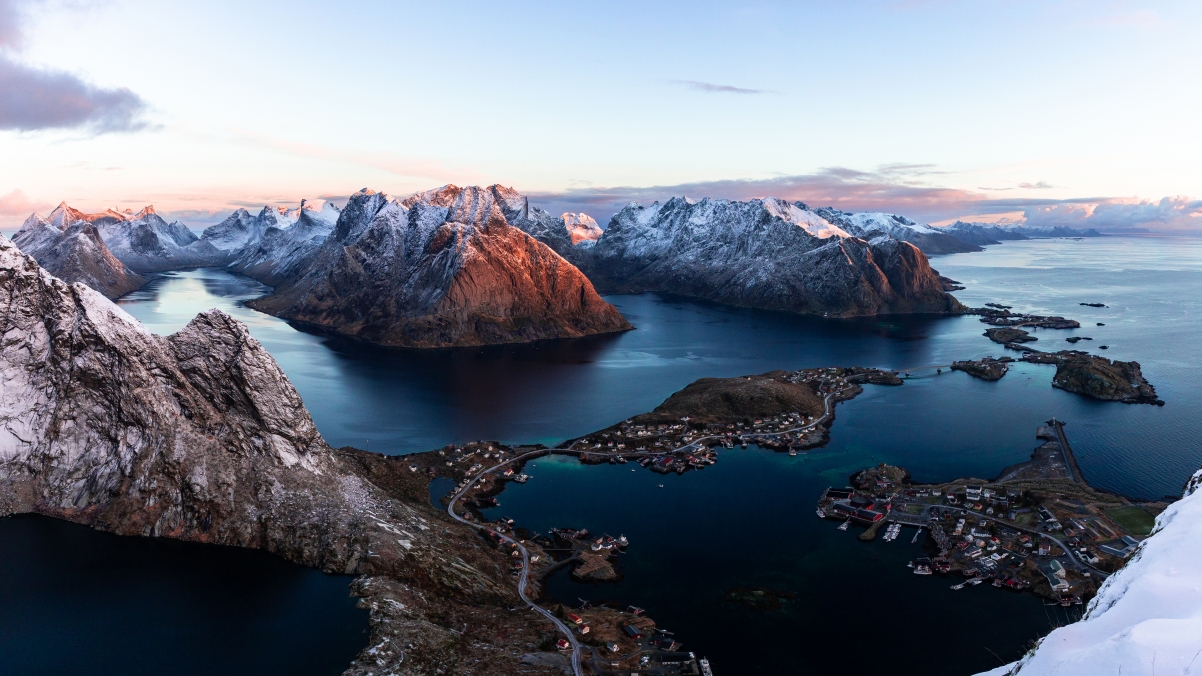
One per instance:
(581, 227)
(442, 267)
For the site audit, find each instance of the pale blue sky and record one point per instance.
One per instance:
(269, 102)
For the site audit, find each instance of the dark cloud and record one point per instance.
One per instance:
(33, 98)
(717, 88)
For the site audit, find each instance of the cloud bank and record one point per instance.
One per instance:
(33, 99)
(905, 189)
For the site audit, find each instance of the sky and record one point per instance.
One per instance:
(1071, 112)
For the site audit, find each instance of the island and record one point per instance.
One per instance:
(1037, 526)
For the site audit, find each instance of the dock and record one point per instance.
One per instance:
(1070, 460)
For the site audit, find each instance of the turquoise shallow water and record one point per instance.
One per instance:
(749, 520)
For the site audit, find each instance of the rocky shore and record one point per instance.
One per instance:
(986, 369)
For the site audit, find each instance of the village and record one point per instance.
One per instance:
(788, 412)
(1037, 527)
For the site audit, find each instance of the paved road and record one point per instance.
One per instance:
(524, 578)
(1068, 552)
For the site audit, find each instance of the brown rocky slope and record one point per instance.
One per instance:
(442, 268)
(200, 436)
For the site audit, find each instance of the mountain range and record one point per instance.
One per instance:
(440, 268)
(765, 253)
(480, 265)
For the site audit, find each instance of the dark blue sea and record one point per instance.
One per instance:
(748, 521)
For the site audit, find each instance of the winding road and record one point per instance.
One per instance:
(524, 578)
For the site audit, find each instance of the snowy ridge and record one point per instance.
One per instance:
(441, 267)
(765, 253)
(871, 226)
(1146, 618)
(284, 247)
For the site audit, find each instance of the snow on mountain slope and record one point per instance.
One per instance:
(581, 228)
(443, 267)
(1147, 618)
(241, 230)
(143, 241)
(932, 241)
(762, 253)
(284, 248)
(76, 253)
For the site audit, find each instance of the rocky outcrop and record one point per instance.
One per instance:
(932, 241)
(1009, 335)
(765, 253)
(76, 253)
(441, 268)
(986, 369)
(1101, 378)
(286, 242)
(199, 436)
(582, 228)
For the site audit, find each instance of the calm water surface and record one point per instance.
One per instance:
(749, 520)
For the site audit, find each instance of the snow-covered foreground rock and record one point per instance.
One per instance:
(1147, 618)
(200, 436)
(446, 267)
(75, 252)
(764, 253)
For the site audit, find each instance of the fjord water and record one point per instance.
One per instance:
(748, 521)
(77, 601)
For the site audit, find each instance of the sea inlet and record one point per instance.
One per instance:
(744, 523)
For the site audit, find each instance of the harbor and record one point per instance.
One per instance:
(1038, 526)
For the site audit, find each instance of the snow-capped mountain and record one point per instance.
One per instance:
(284, 246)
(444, 267)
(1146, 618)
(75, 252)
(553, 231)
(582, 228)
(765, 253)
(143, 241)
(983, 234)
(241, 231)
(932, 241)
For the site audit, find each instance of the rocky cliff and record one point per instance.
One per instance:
(441, 268)
(200, 436)
(76, 253)
(763, 253)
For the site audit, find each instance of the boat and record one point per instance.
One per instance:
(959, 586)
(974, 582)
(844, 525)
(792, 451)
(661, 485)
(821, 514)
